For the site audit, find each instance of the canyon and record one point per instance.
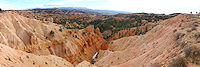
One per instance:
(31, 42)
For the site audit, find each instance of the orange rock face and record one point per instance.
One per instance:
(40, 38)
(10, 57)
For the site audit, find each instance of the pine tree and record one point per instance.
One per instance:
(146, 29)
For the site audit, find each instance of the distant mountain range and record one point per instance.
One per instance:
(87, 10)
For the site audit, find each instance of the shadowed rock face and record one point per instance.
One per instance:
(45, 38)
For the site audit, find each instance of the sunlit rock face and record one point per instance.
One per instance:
(39, 38)
(158, 47)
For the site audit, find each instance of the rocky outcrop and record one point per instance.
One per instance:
(85, 64)
(10, 57)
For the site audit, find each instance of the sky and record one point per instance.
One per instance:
(135, 6)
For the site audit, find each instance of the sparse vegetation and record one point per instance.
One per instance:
(198, 41)
(52, 32)
(197, 35)
(177, 36)
(192, 53)
(178, 62)
(196, 25)
(60, 30)
(194, 28)
(75, 36)
(175, 30)
(83, 33)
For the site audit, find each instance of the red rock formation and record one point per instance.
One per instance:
(97, 31)
(43, 39)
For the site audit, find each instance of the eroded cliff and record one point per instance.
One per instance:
(45, 38)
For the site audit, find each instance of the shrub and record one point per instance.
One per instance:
(197, 35)
(60, 30)
(52, 32)
(111, 42)
(179, 62)
(83, 33)
(75, 36)
(193, 53)
(194, 28)
(182, 34)
(70, 32)
(196, 25)
(198, 41)
(177, 36)
(175, 30)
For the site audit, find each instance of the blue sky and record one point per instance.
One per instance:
(149, 6)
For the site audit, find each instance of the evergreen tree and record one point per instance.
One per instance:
(146, 29)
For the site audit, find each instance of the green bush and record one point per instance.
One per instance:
(83, 33)
(198, 41)
(52, 32)
(196, 25)
(60, 30)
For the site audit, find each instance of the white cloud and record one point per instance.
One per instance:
(149, 6)
(91, 0)
(6, 6)
(152, 6)
(54, 4)
(60, 4)
(65, 3)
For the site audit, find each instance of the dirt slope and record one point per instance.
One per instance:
(157, 47)
(10, 57)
